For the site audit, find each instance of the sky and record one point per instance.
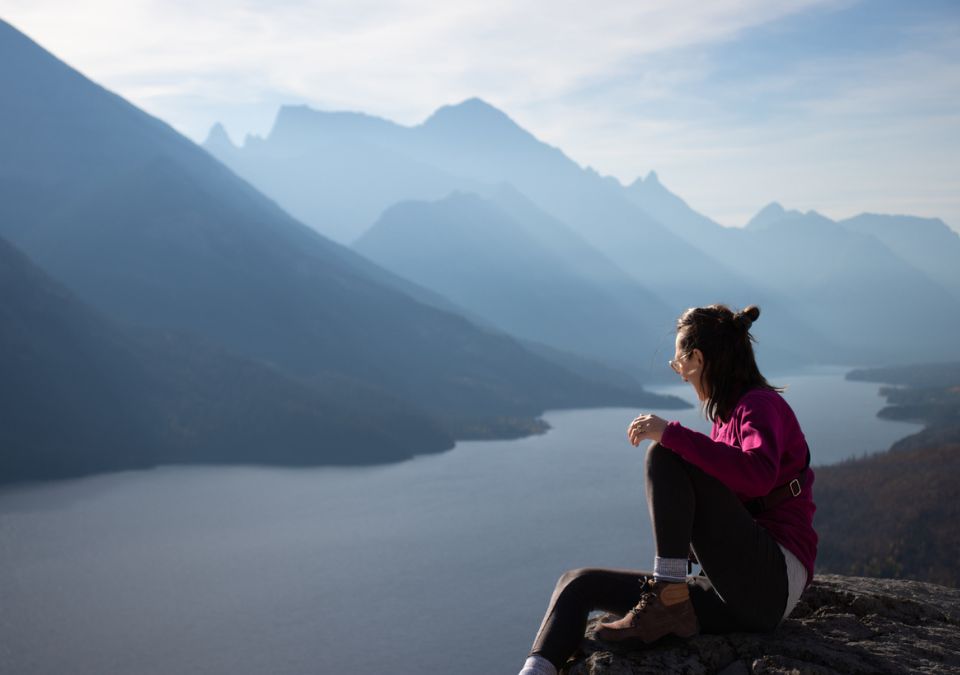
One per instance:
(841, 107)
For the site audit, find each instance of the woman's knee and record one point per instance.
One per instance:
(573, 576)
(659, 455)
(577, 582)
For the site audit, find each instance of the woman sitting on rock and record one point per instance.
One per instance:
(739, 502)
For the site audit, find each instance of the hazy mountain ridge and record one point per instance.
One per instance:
(151, 230)
(465, 143)
(822, 284)
(857, 298)
(485, 172)
(655, 199)
(872, 302)
(470, 250)
(926, 243)
(346, 196)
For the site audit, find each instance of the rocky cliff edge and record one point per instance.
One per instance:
(842, 624)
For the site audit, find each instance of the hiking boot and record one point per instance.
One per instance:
(664, 609)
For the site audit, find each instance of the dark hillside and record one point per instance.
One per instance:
(80, 395)
(895, 513)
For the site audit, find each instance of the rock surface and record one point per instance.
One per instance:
(841, 625)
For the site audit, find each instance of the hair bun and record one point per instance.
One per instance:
(745, 318)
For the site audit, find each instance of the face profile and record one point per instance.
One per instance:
(689, 366)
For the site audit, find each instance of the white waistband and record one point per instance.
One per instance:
(796, 579)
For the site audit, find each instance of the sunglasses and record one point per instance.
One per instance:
(675, 363)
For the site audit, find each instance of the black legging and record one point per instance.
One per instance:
(747, 585)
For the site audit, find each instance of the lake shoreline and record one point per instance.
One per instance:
(687, 411)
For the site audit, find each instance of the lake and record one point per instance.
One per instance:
(439, 564)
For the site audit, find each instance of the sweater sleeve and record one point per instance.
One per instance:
(750, 470)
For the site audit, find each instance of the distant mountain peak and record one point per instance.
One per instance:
(774, 213)
(295, 123)
(473, 115)
(773, 208)
(473, 107)
(644, 184)
(649, 186)
(770, 213)
(218, 138)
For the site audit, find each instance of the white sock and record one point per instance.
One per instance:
(670, 569)
(537, 665)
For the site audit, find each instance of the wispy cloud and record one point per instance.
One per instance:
(399, 58)
(821, 104)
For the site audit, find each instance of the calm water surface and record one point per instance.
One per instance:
(436, 565)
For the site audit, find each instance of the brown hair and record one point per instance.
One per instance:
(729, 367)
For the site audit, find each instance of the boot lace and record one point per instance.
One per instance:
(646, 598)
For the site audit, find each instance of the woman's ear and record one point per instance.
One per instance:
(703, 390)
(696, 356)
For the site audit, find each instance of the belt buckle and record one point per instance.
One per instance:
(795, 487)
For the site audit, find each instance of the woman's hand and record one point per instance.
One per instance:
(646, 427)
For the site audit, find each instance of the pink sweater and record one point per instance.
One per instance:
(759, 448)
